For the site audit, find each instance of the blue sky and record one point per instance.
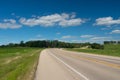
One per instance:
(64, 20)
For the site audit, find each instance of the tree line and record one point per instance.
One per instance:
(111, 42)
(54, 44)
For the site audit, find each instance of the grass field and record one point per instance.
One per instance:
(111, 50)
(18, 63)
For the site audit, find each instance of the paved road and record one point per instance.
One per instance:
(58, 64)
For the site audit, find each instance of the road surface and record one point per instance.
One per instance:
(58, 64)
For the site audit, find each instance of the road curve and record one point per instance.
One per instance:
(58, 64)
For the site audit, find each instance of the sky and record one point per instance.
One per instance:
(63, 20)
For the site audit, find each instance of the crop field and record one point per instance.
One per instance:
(111, 50)
(18, 63)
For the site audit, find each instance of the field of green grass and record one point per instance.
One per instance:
(18, 63)
(111, 50)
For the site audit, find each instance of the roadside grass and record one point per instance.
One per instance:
(111, 50)
(18, 63)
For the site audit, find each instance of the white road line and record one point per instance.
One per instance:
(70, 67)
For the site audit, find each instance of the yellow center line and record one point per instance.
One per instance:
(100, 62)
(93, 60)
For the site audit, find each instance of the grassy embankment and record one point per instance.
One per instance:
(18, 63)
(111, 50)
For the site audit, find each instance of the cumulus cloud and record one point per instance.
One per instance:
(67, 37)
(115, 32)
(64, 20)
(9, 23)
(71, 22)
(86, 36)
(10, 20)
(107, 21)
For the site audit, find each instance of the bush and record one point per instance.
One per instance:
(97, 46)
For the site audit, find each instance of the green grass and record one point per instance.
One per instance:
(18, 63)
(111, 50)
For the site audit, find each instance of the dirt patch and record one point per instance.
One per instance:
(12, 59)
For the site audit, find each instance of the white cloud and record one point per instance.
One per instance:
(58, 33)
(39, 36)
(12, 14)
(10, 20)
(33, 16)
(73, 15)
(115, 32)
(71, 22)
(67, 37)
(65, 16)
(81, 41)
(100, 38)
(95, 38)
(36, 39)
(30, 22)
(9, 23)
(64, 20)
(107, 21)
(86, 36)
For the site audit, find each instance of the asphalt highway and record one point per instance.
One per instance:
(59, 64)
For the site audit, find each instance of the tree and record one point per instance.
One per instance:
(22, 44)
(106, 42)
(118, 42)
